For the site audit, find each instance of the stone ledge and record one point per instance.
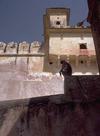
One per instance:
(74, 87)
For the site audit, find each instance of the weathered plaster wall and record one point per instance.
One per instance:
(67, 46)
(19, 85)
(35, 64)
(11, 57)
(69, 43)
(55, 115)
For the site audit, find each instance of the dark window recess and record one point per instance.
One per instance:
(81, 61)
(58, 23)
(83, 46)
(50, 63)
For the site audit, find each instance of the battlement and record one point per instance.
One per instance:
(19, 48)
(21, 56)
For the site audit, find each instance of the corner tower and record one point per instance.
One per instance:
(54, 19)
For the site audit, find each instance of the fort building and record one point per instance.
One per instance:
(46, 105)
(61, 41)
(71, 43)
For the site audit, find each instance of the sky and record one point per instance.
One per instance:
(22, 20)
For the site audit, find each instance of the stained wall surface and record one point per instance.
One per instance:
(19, 85)
(67, 46)
(55, 115)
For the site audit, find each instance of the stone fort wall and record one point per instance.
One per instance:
(22, 56)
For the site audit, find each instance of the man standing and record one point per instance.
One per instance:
(66, 69)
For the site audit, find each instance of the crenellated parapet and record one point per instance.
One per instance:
(23, 56)
(24, 47)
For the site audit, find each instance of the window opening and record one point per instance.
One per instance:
(50, 63)
(83, 46)
(81, 62)
(58, 23)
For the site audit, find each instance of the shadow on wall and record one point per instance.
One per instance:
(43, 117)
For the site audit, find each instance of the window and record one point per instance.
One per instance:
(57, 22)
(50, 63)
(83, 46)
(81, 61)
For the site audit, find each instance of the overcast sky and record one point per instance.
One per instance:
(22, 20)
